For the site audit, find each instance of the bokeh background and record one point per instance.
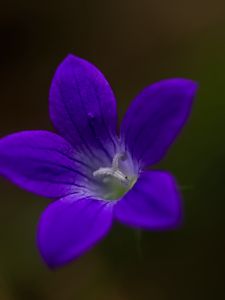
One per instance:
(134, 43)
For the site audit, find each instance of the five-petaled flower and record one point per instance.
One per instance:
(94, 174)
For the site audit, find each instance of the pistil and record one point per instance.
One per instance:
(113, 172)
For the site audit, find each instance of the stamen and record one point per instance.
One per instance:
(114, 171)
(116, 159)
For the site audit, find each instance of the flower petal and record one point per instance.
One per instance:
(40, 162)
(155, 118)
(83, 107)
(69, 227)
(153, 203)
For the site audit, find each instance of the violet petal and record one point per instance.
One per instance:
(40, 162)
(69, 227)
(155, 117)
(83, 107)
(153, 203)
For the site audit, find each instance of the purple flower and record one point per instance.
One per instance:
(94, 174)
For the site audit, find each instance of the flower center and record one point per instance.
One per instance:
(115, 181)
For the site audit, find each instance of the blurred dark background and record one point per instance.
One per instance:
(134, 43)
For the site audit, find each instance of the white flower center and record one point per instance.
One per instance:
(115, 181)
(114, 171)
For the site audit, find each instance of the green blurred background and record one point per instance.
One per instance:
(134, 43)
